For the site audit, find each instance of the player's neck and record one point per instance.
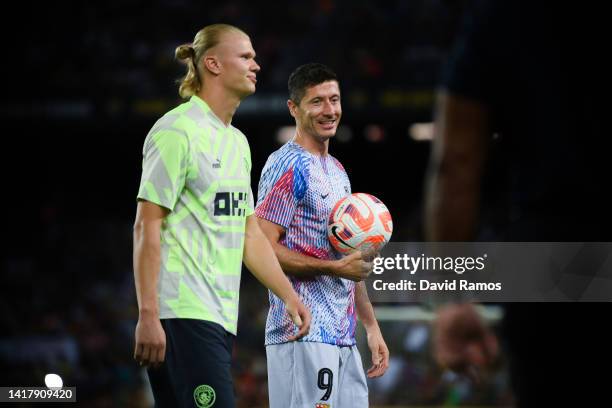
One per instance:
(312, 144)
(222, 103)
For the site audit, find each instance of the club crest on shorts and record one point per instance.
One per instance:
(322, 405)
(204, 396)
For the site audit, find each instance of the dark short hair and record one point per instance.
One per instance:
(308, 75)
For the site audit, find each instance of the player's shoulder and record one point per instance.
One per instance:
(289, 157)
(290, 154)
(182, 108)
(337, 163)
(193, 116)
(179, 119)
(242, 139)
(167, 130)
(188, 118)
(238, 132)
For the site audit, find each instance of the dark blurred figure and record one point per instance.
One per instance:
(520, 135)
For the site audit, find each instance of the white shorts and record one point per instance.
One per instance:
(315, 375)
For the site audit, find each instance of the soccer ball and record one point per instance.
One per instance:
(359, 222)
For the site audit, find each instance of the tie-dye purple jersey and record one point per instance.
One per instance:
(298, 190)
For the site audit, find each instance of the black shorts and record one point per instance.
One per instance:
(197, 369)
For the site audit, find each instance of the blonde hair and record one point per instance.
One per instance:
(191, 54)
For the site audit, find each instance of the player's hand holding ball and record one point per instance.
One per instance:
(360, 225)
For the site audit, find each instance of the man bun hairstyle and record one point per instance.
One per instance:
(191, 55)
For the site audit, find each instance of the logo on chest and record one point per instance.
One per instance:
(230, 203)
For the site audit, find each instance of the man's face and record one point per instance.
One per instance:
(237, 62)
(319, 111)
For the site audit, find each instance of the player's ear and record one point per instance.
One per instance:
(292, 107)
(212, 64)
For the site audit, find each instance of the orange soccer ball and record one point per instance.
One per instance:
(359, 222)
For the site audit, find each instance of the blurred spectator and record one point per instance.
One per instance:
(518, 72)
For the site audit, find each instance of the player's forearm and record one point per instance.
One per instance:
(302, 266)
(260, 259)
(146, 260)
(451, 210)
(365, 311)
(456, 166)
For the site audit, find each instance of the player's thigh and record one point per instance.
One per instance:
(302, 374)
(281, 373)
(199, 363)
(352, 384)
(161, 386)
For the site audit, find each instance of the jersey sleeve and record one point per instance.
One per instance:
(250, 209)
(281, 187)
(164, 167)
(246, 151)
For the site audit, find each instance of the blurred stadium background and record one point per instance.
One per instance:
(84, 82)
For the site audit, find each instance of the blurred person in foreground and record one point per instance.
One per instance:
(517, 70)
(300, 184)
(194, 227)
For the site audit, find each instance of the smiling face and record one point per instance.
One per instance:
(238, 69)
(319, 111)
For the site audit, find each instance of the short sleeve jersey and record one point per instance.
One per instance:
(297, 191)
(199, 169)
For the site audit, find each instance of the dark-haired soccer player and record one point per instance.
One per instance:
(299, 186)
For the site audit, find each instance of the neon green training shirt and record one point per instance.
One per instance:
(199, 169)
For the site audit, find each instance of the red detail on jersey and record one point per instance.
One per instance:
(282, 188)
(337, 163)
(313, 251)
